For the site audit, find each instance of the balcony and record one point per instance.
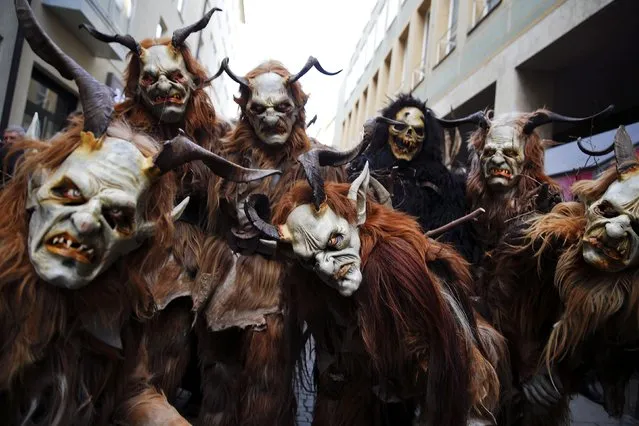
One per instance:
(108, 16)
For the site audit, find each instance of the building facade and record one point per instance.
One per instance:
(572, 56)
(34, 86)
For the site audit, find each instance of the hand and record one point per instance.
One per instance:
(543, 390)
(545, 199)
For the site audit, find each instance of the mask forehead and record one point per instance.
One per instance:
(270, 88)
(501, 136)
(411, 115)
(624, 192)
(116, 164)
(161, 58)
(310, 230)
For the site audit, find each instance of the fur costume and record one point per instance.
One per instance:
(171, 345)
(240, 325)
(405, 155)
(564, 263)
(407, 337)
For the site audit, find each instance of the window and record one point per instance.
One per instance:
(393, 8)
(448, 40)
(425, 39)
(160, 30)
(52, 103)
(480, 9)
(125, 7)
(180, 5)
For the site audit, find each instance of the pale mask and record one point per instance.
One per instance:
(86, 213)
(611, 240)
(407, 135)
(327, 243)
(502, 158)
(271, 109)
(165, 84)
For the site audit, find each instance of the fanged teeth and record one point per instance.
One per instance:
(70, 243)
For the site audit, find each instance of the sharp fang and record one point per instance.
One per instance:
(83, 247)
(90, 252)
(69, 243)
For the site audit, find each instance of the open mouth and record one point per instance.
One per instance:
(343, 271)
(615, 253)
(173, 99)
(66, 246)
(501, 173)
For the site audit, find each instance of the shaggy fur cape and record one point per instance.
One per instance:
(52, 370)
(240, 327)
(434, 195)
(588, 316)
(409, 332)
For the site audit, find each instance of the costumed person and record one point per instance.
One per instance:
(388, 308)
(405, 155)
(165, 95)
(240, 326)
(507, 176)
(89, 218)
(578, 262)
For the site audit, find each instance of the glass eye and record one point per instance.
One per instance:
(488, 152)
(607, 210)
(148, 78)
(284, 107)
(119, 219)
(68, 191)
(335, 240)
(177, 76)
(257, 108)
(509, 152)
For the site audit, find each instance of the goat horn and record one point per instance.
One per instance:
(181, 150)
(256, 207)
(478, 118)
(125, 40)
(593, 152)
(312, 160)
(180, 35)
(96, 98)
(540, 118)
(224, 66)
(389, 121)
(310, 63)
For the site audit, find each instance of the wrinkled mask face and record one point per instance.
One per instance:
(165, 84)
(327, 244)
(271, 109)
(406, 140)
(85, 214)
(502, 158)
(611, 240)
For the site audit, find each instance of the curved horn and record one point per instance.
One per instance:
(180, 35)
(478, 118)
(310, 63)
(315, 158)
(256, 206)
(125, 40)
(96, 98)
(224, 66)
(593, 152)
(389, 121)
(313, 120)
(181, 150)
(540, 118)
(624, 151)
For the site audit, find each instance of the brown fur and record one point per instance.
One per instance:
(242, 347)
(408, 332)
(44, 342)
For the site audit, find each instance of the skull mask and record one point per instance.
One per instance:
(611, 238)
(271, 108)
(165, 85)
(86, 213)
(407, 135)
(502, 158)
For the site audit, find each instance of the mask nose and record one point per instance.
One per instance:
(270, 119)
(617, 229)
(85, 223)
(324, 263)
(163, 83)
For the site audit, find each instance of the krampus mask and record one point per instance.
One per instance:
(503, 157)
(271, 108)
(165, 84)
(88, 212)
(611, 238)
(324, 241)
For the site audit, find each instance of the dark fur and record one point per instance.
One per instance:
(430, 208)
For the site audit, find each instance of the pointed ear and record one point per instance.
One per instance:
(178, 210)
(357, 193)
